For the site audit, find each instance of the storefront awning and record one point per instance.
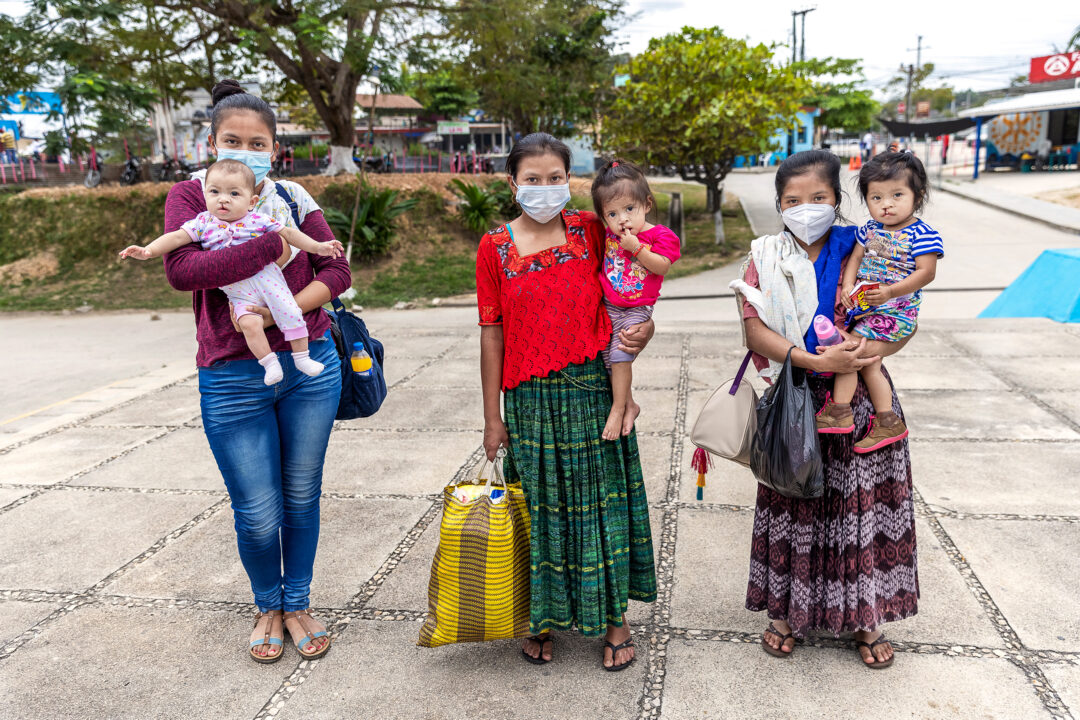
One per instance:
(1032, 102)
(922, 129)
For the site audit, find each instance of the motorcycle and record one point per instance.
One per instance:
(132, 171)
(175, 170)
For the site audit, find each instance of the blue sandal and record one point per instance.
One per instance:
(272, 637)
(309, 636)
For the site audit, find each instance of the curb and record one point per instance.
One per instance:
(959, 191)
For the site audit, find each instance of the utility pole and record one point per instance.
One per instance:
(794, 43)
(909, 70)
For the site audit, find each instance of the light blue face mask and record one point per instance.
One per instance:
(259, 162)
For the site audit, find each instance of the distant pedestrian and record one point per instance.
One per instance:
(269, 441)
(945, 148)
(543, 326)
(867, 146)
(7, 147)
(844, 562)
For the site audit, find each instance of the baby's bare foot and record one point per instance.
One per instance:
(614, 423)
(631, 414)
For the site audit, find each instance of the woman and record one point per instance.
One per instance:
(845, 562)
(269, 441)
(543, 325)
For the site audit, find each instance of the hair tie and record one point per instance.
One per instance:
(615, 164)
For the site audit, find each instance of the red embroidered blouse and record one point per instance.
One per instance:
(550, 304)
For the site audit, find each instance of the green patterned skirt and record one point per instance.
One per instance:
(591, 545)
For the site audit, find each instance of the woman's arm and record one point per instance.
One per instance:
(491, 359)
(634, 338)
(840, 358)
(923, 275)
(192, 268)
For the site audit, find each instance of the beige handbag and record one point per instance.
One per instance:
(725, 427)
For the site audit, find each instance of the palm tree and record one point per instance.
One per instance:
(1074, 41)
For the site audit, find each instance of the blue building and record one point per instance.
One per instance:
(786, 141)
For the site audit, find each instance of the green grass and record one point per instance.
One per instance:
(434, 276)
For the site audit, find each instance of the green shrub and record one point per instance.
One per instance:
(478, 206)
(375, 216)
(504, 196)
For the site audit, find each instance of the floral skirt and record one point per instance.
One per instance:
(590, 543)
(846, 561)
(891, 322)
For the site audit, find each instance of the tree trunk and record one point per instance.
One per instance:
(718, 215)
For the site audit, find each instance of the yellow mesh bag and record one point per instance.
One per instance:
(479, 587)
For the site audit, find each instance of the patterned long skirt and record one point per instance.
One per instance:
(845, 561)
(591, 545)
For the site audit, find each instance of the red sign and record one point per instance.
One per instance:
(901, 107)
(1055, 67)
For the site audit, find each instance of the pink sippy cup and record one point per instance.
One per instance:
(826, 332)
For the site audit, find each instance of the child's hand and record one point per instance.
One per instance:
(879, 295)
(331, 248)
(845, 296)
(628, 240)
(136, 251)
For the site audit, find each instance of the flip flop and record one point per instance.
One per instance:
(539, 640)
(877, 664)
(629, 643)
(776, 652)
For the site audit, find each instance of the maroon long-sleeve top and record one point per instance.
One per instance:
(204, 271)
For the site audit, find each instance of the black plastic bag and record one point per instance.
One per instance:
(785, 454)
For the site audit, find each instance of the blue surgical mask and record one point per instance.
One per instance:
(259, 162)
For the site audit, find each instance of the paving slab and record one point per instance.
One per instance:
(376, 670)
(180, 461)
(1064, 401)
(356, 538)
(712, 565)
(656, 371)
(709, 373)
(657, 410)
(56, 457)
(1066, 680)
(979, 416)
(419, 345)
(400, 367)
(1058, 373)
(1013, 558)
(717, 343)
(727, 482)
(422, 409)
(725, 680)
(16, 617)
(395, 463)
(655, 453)
(171, 406)
(932, 373)
(67, 540)
(1020, 344)
(1020, 478)
(928, 343)
(10, 495)
(449, 373)
(124, 669)
(666, 342)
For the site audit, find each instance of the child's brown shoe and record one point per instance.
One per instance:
(835, 419)
(884, 430)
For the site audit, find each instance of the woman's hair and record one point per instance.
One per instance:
(534, 145)
(890, 165)
(233, 167)
(228, 97)
(823, 162)
(619, 178)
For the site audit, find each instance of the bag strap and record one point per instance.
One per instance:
(739, 375)
(293, 208)
(337, 304)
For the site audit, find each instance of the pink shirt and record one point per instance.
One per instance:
(626, 282)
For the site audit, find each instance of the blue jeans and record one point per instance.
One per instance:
(269, 443)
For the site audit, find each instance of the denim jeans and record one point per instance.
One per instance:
(269, 443)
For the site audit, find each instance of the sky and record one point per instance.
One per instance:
(977, 45)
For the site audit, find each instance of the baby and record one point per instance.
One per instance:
(229, 189)
(637, 254)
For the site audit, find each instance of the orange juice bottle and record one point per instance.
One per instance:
(361, 361)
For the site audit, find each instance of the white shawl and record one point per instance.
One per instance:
(787, 297)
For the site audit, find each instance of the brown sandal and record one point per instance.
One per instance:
(877, 664)
(272, 637)
(784, 637)
(309, 637)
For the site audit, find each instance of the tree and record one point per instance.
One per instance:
(538, 63)
(1074, 41)
(835, 89)
(696, 100)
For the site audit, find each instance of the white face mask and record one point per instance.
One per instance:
(543, 202)
(809, 222)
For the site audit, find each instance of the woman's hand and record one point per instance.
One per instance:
(268, 319)
(844, 357)
(634, 338)
(495, 437)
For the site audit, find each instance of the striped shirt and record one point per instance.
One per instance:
(890, 256)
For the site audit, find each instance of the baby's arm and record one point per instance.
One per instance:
(655, 263)
(923, 275)
(166, 243)
(851, 274)
(331, 248)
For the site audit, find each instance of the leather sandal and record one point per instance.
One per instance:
(540, 640)
(784, 637)
(272, 637)
(877, 664)
(628, 643)
(309, 637)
